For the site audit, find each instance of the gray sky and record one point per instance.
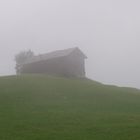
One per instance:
(107, 31)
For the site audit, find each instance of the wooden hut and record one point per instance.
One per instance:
(68, 62)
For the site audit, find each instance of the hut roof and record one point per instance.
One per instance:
(54, 54)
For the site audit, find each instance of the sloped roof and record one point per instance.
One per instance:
(54, 54)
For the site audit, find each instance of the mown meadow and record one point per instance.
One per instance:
(40, 107)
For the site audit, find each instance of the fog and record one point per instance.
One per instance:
(107, 31)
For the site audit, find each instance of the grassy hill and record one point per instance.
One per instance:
(51, 108)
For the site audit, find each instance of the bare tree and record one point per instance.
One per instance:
(21, 58)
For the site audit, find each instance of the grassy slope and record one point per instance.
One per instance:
(48, 108)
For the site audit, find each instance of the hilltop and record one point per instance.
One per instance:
(39, 107)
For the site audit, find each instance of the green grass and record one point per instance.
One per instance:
(51, 108)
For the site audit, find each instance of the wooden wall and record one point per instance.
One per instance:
(69, 66)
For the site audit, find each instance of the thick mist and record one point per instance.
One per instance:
(107, 32)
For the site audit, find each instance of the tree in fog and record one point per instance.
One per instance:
(21, 58)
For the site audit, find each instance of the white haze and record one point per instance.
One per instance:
(107, 31)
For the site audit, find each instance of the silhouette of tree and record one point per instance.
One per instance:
(21, 58)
